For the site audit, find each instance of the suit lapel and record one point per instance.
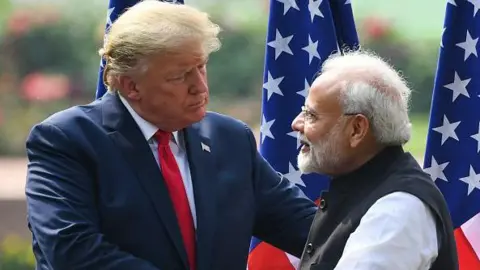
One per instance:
(130, 140)
(201, 160)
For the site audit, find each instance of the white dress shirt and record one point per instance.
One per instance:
(398, 232)
(177, 144)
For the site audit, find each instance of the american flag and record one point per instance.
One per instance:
(115, 9)
(453, 143)
(301, 35)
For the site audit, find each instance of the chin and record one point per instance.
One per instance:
(201, 112)
(197, 115)
(306, 164)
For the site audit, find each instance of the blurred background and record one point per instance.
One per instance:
(49, 61)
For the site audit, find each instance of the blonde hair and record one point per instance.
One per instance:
(153, 27)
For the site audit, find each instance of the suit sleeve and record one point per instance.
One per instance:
(283, 213)
(60, 193)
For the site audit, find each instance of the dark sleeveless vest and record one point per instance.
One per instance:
(349, 198)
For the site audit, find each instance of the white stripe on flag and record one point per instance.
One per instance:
(293, 260)
(471, 230)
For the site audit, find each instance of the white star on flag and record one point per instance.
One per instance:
(288, 4)
(314, 8)
(272, 86)
(473, 180)
(447, 129)
(469, 45)
(295, 135)
(280, 44)
(265, 128)
(452, 2)
(476, 6)
(109, 14)
(348, 2)
(477, 137)
(294, 175)
(436, 171)
(312, 49)
(305, 90)
(458, 86)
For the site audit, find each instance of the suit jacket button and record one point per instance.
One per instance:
(323, 204)
(309, 248)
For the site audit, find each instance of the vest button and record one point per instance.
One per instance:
(323, 204)
(309, 248)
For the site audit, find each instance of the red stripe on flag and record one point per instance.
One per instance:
(467, 258)
(265, 256)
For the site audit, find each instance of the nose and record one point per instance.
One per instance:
(297, 124)
(199, 82)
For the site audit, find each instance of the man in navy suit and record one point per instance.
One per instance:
(145, 178)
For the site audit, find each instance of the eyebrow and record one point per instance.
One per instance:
(310, 110)
(184, 67)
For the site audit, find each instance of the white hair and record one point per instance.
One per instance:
(373, 88)
(153, 27)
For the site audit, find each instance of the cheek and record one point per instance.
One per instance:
(169, 95)
(339, 139)
(314, 133)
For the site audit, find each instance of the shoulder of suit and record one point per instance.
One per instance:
(75, 114)
(224, 121)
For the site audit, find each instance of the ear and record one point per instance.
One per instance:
(359, 129)
(128, 87)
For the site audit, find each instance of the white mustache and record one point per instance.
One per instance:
(302, 138)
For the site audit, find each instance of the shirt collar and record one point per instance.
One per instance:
(148, 129)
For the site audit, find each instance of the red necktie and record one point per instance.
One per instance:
(178, 195)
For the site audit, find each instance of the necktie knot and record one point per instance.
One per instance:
(163, 137)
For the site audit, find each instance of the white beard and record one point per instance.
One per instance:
(322, 156)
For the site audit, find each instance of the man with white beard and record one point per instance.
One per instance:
(381, 210)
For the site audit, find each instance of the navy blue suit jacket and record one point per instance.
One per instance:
(96, 198)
